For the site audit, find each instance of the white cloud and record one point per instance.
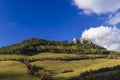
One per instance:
(115, 19)
(98, 6)
(101, 7)
(108, 37)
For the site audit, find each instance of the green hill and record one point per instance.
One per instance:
(61, 59)
(35, 45)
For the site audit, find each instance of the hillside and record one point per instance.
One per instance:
(35, 45)
(14, 70)
(56, 60)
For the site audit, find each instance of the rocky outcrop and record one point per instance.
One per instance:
(85, 40)
(75, 40)
(82, 41)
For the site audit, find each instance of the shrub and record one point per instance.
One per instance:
(45, 75)
(66, 71)
(36, 73)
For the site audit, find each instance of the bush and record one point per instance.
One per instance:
(66, 71)
(45, 75)
(36, 73)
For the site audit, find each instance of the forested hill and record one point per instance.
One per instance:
(35, 45)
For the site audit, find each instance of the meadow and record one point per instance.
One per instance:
(48, 56)
(12, 69)
(77, 66)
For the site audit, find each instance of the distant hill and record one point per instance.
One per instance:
(35, 45)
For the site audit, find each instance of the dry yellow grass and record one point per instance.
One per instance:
(77, 66)
(12, 57)
(44, 56)
(13, 70)
(52, 56)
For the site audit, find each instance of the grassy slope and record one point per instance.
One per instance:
(38, 56)
(13, 70)
(42, 56)
(78, 66)
(12, 57)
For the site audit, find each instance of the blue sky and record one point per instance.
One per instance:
(47, 19)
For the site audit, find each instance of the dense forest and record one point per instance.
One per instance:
(35, 45)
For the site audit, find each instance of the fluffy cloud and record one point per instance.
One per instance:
(101, 7)
(108, 37)
(98, 6)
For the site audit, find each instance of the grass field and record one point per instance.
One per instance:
(12, 57)
(13, 70)
(47, 56)
(77, 66)
(40, 56)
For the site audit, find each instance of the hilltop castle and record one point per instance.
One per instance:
(82, 40)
